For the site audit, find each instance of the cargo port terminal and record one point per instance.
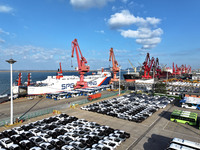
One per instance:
(136, 113)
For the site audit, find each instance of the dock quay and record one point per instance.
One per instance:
(153, 133)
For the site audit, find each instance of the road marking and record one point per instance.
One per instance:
(131, 144)
(182, 134)
(154, 122)
(166, 125)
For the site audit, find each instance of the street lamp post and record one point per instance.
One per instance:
(11, 61)
(119, 79)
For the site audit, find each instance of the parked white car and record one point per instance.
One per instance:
(6, 142)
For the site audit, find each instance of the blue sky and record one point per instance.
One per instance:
(38, 34)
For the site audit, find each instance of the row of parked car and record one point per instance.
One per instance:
(62, 132)
(180, 89)
(132, 107)
(184, 84)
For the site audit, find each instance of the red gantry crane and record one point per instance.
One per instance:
(178, 70)
(183, 69)
(115, 67)
(82, 67)
(188, 69)
(147, 65)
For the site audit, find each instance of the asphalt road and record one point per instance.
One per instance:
(24, 105)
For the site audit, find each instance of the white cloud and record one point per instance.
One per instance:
(100, 31)
(113, 8)
(33, 53)
(125, 18)
(124, 1)
(145, 35)
(2, 41)
(86, 4)
(153, 20)
(3, 32)
(142, 33)
(150, 41)
(5, 9)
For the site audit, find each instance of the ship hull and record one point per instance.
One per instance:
(67, 83)
(129, 77)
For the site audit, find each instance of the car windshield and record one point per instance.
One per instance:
(81, 146)
(38, 140)
(50, 147)
(67, 139)
(29, 144)
(19, 138)
(105, 148)
(17, 148)
(36, 131)
(28, 134)
(116, 140)
(47, 136)
(111, 144)
(98, 147)
(8, 141)
(1, 135)
(59, 143)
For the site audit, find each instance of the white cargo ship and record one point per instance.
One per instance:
(61, 83)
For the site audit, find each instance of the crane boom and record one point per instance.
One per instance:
(132, 65)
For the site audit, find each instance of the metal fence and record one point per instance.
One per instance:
(28, 116)
(84, 101)
(36, 113)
